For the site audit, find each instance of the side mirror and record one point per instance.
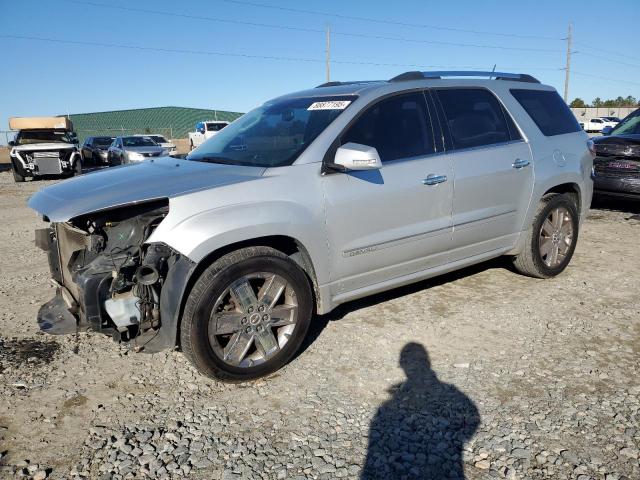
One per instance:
(354, 156)
(12, 143)
(607, 130)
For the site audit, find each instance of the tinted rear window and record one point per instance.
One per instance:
(548, 111)
(475, 118)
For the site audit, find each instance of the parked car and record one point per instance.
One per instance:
(94, 150)
(611, 119)
(616, 168)
(311, 200)
(204, 131)
(133, 149)
(597, 124)
(169, 147)
(43, 146)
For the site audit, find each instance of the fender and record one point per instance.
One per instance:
(201, 234)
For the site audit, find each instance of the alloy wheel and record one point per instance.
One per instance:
(253, 319)
(556, 236)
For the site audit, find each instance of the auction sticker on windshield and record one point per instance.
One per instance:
(331, 105)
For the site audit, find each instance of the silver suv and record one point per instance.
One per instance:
(311, 200)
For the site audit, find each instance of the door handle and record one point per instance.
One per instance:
(434, 179)
(519, 163)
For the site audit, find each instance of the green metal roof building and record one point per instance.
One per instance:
(172, 122)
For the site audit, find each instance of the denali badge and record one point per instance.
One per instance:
(358, 251)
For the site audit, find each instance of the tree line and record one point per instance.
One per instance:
(629, 101)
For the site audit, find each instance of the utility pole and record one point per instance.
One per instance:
(568, 67)
(328, 54)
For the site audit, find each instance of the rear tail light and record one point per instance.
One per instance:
(592, 148)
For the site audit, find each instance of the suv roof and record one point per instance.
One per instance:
(426, 79)
(416, 75)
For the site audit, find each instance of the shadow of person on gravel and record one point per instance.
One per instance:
(421, 430)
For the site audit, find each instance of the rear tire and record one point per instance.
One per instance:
(552, 238)
(234, 327)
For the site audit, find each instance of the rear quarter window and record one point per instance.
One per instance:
(548, 111)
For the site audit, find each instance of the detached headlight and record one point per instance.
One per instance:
(135, 156)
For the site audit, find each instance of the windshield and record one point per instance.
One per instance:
(26, 137)
(102, 141)
(274, 134)
(630, 125)
(138, 142)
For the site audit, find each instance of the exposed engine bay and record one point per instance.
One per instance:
(108, 279)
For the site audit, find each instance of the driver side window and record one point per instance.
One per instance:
(398, 127)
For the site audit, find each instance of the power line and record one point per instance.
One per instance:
(610, 52)
(606, 59)
(388, 22)
(605, 78)
(310, 30)
(241, 55)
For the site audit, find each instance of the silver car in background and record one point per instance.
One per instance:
(133, 149)
(163, 142)
(309, 201)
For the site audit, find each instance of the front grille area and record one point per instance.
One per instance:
(616, 168)
(48, 161)
(48, 166)
(156, 154)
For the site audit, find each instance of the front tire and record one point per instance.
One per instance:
(17, 177)
(246, 315)
(77, 169)
(552, 238)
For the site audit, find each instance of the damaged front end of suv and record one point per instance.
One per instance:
(110, 280)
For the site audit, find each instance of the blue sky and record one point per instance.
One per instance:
(46, 78)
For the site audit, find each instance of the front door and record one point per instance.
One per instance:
(393, 222)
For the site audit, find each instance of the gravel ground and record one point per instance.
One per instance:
(480, 374)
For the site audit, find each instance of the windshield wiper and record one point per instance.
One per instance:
(209, 159)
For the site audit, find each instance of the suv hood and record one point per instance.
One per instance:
(129, 184)
(628, 139)
(43, 146)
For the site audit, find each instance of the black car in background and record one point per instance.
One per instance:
(94, 150)
(616, 168)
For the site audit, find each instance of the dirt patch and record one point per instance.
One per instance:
(20, 352)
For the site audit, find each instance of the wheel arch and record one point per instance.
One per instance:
(571, 188)
(290, 246)
(172, 314)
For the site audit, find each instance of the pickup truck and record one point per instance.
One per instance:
(597, 124)
(204, 131)
(43, 146)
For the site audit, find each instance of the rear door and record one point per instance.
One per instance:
(493, 171)
(388, 223)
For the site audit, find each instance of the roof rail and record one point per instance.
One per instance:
(517, 77)
(355, 82)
